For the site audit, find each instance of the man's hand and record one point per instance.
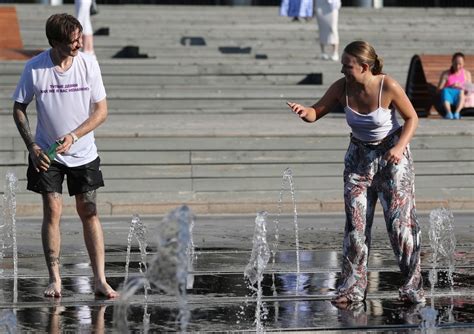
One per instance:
(66, 143)
(39, 159)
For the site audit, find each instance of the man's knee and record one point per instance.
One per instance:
(52, 205)
(87, 210)
(86, 204)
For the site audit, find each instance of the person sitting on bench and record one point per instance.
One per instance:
(451, 85)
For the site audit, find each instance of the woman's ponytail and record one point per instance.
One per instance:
(378, 65)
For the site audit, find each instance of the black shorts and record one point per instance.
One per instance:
(80, 179)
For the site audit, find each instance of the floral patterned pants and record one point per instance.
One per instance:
(368, 177)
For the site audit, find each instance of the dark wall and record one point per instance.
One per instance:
(387, 3)
(429, 3)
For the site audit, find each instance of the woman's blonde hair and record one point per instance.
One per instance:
(365, 54)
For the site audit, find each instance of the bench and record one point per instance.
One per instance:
(422, 80)
(11, 45)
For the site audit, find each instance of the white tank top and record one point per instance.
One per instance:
(373, 126)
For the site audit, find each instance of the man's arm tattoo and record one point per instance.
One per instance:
(23, 124)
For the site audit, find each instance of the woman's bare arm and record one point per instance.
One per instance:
(407, 112)
(324, 105)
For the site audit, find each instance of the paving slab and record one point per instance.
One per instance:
(218, 297)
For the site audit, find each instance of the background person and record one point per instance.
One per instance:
(378, 164)
(83, 14)
(70, 102)
(327, 15)
(297, 9)
(451, 85)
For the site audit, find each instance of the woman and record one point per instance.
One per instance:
(297, 9)
(451, 84)
(378, 164)
(83, 15)
(327, 14)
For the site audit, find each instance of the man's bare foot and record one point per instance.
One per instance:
(105, 290)
(53, 290)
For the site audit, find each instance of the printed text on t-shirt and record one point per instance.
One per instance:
(69, 88)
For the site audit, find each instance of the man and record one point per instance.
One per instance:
(70, 102)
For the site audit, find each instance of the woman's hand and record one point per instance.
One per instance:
(394, 155)
(305, 113)
(457, 85)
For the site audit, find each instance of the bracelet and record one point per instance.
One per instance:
(74, 137)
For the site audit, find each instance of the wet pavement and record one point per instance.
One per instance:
(218, 296)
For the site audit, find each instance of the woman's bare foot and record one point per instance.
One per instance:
(53, 290)
(341, 300)
(105, 290)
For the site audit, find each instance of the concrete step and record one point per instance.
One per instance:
(195, 125)
(244, 202)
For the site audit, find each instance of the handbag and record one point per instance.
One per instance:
(469, 92)
(94, 10)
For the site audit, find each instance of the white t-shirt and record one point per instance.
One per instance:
(63, 102)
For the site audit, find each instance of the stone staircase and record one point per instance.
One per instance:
(207, 125)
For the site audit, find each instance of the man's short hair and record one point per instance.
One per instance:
(60, 27)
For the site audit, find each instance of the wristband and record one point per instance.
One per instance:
(74, 137)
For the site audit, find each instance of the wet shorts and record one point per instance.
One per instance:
(80, 179)
(450, 95)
